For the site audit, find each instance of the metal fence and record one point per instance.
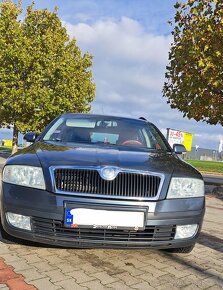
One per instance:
(204, 154)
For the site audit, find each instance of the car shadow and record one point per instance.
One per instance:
(4, 155)
(210, 241)
(196, 267)
(218, 195)
(7, 239)
(217, 192)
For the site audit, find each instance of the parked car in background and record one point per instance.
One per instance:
(102, 181)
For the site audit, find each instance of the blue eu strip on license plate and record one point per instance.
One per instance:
(68, 217)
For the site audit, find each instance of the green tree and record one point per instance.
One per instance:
(42, 72)
(195, 71)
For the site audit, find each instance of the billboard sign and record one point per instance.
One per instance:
(179, 137)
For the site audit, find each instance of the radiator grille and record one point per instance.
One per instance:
(124, 185)
(56, 230)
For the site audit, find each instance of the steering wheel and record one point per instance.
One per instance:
(134, 142)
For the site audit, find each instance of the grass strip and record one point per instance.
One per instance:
(207, 166)
(5, 149)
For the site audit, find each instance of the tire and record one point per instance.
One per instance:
(4, 236)
(8, 239)
(183, 250)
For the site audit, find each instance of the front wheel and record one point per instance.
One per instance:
(4, 237)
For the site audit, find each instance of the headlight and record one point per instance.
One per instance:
(24, 175)
(185, 187)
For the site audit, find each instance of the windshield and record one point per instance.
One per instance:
(102, 130)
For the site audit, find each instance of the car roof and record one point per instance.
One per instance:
(84, 115)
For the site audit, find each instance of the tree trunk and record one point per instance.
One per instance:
(15, 139)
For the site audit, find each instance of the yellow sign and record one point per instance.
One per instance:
(188, 140)
(7, 143)
(179, 137)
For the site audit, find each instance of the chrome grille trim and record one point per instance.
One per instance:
(98, 169)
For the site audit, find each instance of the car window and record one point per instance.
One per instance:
(104, 137)
(103, 131)
(80, 123)
(54, 131)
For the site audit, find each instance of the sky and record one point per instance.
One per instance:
(129, 40)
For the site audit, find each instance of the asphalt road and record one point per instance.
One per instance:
(213, 180)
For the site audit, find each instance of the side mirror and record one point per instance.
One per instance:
(30, 137)
(179, 148)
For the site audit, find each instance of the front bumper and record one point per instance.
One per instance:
(46, 210)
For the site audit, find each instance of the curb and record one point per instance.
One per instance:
(207, 173)
(218, 190)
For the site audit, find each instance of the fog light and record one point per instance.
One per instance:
(19, 221)
(186, 231)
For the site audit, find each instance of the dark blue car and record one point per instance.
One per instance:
(102, 181)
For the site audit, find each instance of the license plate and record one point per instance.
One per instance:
(104, 219)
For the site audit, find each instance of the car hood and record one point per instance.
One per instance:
(46, 155)
(88, 155)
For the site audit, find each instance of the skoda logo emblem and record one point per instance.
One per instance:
(108, 173)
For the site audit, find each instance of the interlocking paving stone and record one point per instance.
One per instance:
(96, 285)
(119, 286)
(128, 279)
(56, 275)
(45, 284)
(70, 284)
(32, 274)
(142, 286)
(80, 276)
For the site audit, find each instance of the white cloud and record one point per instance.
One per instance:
(129, 67)
(124, 41)
(209, 136)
